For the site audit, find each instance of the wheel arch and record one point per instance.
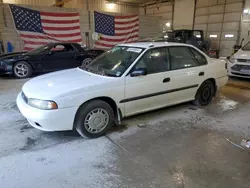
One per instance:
(31, 64)
(213, 81)
(110, 101)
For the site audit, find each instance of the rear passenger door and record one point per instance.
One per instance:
(187, 72)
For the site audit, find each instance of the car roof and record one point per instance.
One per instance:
(153, 44)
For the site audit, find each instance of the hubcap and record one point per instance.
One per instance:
(86, 61)
(96, 120)
(21, 70)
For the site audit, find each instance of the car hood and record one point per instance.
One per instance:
(240, 54)
(12, 55)
(64, 83)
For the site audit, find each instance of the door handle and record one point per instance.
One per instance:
(166, 80)
(201, 74)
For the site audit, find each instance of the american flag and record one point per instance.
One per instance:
(38, 28)
(115, 29)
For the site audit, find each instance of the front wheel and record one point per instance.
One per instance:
(86, 61)
(94, 118)
(22, 69)
(205, 93)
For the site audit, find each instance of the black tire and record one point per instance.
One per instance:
(84, 111)
(86, 61)
(25, 74)
(205, 93)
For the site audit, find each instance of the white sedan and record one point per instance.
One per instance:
(126, 80)
(239, 63)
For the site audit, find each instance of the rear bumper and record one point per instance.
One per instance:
(222, 81)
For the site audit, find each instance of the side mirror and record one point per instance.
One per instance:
(138, 72)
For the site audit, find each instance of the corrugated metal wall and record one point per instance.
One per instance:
(245, 25)
(149, 26)
(31, 2)
(101, 5)
(183, 14)
(163, 10)
(220, 20)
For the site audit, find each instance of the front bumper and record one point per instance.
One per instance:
(5, 69)
(47, 120)
(237, 73)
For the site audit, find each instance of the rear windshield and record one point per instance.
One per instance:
(246, 47)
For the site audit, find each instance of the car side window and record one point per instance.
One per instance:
(202, 60)
(58, 48)
(62, 48)
(181, 57)
(154, 61)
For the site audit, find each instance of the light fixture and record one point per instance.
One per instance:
(110, 5)
(229, 35)
(168, 24)
(213, 36)
(246, 11)
(198, 36)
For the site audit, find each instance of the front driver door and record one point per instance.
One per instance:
(144, 93)
(59, 57)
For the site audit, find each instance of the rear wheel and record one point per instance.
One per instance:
(22, 69)
(205, 93)
(94, 118)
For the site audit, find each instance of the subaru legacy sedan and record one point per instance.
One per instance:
(126, 80)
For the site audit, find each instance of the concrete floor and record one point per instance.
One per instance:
(180, 146)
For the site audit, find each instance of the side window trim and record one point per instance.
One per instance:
(182, 67)
(194, 56)
(190, 48)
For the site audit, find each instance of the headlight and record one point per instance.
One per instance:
(42, 104)
(232, 59)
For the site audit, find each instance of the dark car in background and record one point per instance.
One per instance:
(187, 36)
(47, 58)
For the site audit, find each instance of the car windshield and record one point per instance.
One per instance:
(39, 49)
(115, 61)
(246, 47)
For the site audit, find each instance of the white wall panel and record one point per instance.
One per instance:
(216, 9)
(226, 47)
(201, 11)
(214, 27)
(221, 1)
(201, 27)
(215, 18)
(233, 1)
(202, 3)
(183, 13)
(232, 26)
(201, 19)
(234, 7)
(31, 2)
(232, 17)
(213, 2)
